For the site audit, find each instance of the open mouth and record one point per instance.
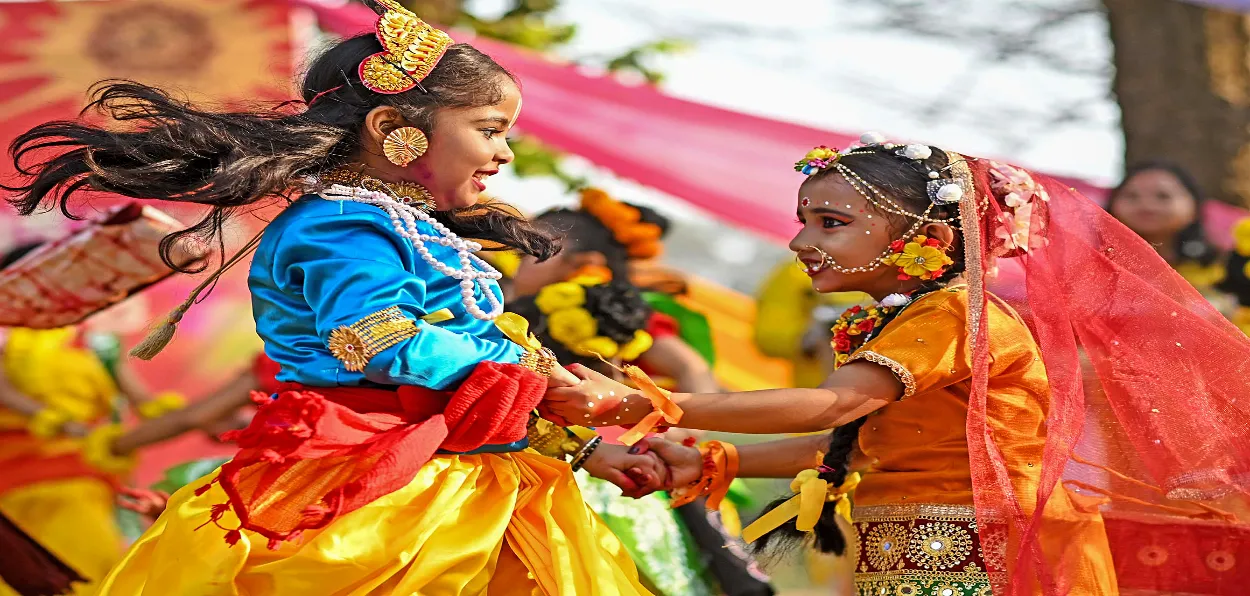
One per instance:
(479, 178)
(812, 264)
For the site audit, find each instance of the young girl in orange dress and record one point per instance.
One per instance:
(393, 459)
(958, 418)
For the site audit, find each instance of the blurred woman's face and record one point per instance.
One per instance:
(1154, 204)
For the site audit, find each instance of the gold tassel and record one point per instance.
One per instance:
(162, 334)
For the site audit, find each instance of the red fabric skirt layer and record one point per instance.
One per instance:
(315, 453)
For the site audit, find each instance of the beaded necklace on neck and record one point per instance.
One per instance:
(473, 271)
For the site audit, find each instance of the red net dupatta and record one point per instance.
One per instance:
(1147, 436)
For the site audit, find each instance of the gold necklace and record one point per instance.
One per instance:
(406, 192)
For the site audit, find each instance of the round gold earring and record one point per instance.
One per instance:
(404, 144)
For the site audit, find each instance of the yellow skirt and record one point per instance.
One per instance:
(74, 519)
(488, 524)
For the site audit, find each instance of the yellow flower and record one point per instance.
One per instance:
(918, 260)
(1201, 277)
(597, 346)
(820, 153)
(636, 347)
(571, 325)
(1241, 237)
(560, 296)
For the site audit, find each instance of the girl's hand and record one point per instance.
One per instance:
(561, 377)
(685, 464)
(148, 503)
(597, 401)
(635, 470)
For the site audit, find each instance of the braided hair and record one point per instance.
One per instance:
(905, 181)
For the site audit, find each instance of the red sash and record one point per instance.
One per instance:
(316, 453)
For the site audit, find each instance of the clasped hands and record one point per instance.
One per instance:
(583, 397)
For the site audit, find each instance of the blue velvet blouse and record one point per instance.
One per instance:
(323, 264)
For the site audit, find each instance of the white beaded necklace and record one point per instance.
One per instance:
(473, 270)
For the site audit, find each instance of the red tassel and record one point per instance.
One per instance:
(274, 543)
(216, 511)
(203, 489)
(233, 536)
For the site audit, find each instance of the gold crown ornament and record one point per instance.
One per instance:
(411, 50)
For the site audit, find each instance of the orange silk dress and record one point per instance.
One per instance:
(918, 531)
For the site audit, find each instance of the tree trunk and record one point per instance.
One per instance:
(1183, 84)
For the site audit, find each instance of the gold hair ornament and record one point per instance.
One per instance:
(411, 50)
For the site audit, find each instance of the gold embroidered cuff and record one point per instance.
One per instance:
(542, 361)
(354, 345)
(553, 440)
(900, 371)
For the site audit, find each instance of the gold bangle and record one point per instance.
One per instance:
(48, 422)
(583, 454)
(98, 450)
(542, 361)
(162, 404)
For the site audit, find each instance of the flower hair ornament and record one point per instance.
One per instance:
(570, 323)
(411, 49)
(641, 239)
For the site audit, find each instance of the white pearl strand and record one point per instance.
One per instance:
(473, 270)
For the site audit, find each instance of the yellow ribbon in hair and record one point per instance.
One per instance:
(810, 495)
(517, 329)
(665, 408)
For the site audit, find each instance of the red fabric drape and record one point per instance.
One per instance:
(315, 453)
(1147, 413)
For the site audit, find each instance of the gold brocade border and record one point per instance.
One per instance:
(927, 549)
(881, 513)
(904, 375)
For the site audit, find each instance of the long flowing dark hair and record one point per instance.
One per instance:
(168, 149)
(905, 182)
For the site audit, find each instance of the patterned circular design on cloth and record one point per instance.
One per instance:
(1221, 560)
(1152, 555)
(884, 545)
(939, 545)
(907, 589)
(947, 590)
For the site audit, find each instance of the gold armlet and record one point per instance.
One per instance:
(356, 344)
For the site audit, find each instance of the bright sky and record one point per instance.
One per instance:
(829, 64)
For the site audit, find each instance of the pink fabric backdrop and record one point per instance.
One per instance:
(735, 166)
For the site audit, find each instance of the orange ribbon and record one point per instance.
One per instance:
(664, 408)
(720, 467)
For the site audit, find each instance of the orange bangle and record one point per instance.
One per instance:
(720, 467)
